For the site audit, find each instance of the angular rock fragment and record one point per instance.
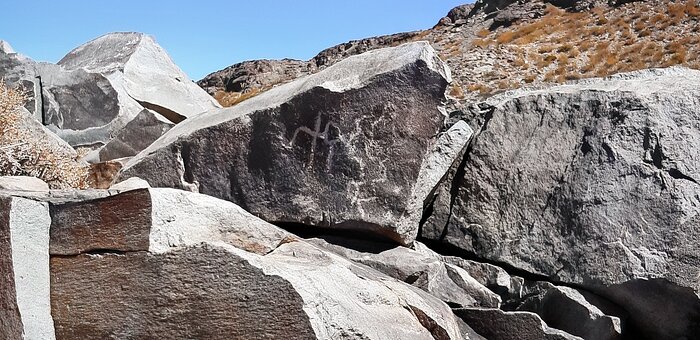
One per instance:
(5, 47)
(493, 277)
(348, 147)
(140, 67)
(568, 310)
(132, 183)
(497, 324)
(155, 219)
(136, 135)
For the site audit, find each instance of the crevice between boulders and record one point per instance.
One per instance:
(486, 111)
(100, 252)
(167, 113)
(437, 332)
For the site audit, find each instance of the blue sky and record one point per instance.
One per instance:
(205, 36)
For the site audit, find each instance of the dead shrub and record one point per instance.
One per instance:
(23, 153)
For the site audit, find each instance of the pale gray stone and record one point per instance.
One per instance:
(593, 183)
(22, 183)
(25, 311)
(130, 184)
(5, 47)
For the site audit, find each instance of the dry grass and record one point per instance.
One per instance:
(25, 154)
(227, 99)
(563, 46)
(456, 91)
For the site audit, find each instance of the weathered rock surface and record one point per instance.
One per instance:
(22, 183)
(256, 74)
(340, 149)
(444, 281)
(119, 85)
(153, 220)
(497, 324)
(182, 271)
(592, 183)
(25, 310)
(568, 310)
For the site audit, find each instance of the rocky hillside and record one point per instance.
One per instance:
(360, 201)
(494, 46)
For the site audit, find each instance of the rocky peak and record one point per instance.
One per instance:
(5, 47)
(107, 53)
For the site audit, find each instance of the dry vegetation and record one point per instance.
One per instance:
(227, 99)
(558, 47)
(563, 46)
(23, 153)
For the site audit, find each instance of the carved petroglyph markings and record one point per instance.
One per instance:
(325, 136)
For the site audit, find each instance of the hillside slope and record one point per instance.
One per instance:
(493, 46)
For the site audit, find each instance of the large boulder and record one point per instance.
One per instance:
(355, 146)
(152, 263)
(5, 47)
(118, 85)
(166, 263)
(595, 184)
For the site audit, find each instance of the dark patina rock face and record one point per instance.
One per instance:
(336, 149)
(593, 184)
(214, 309)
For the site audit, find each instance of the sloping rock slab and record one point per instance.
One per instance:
(343, 148)
(22, 183)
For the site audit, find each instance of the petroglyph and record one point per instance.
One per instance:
(325, 136)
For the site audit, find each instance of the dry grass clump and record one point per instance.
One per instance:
(456, 91)
(563, 46)
(22, 153)
(227, 99)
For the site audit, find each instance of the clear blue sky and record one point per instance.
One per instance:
(206, 35)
